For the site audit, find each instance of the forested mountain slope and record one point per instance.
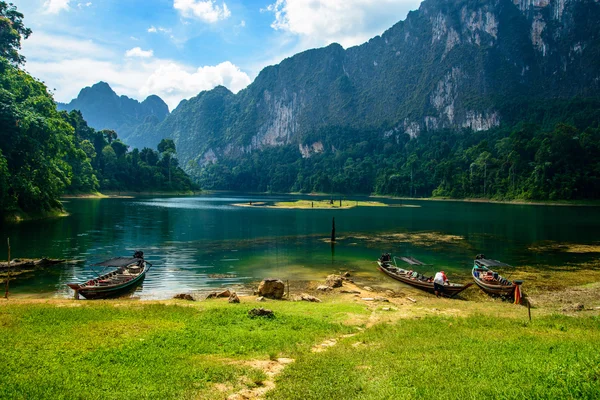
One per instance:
(102, 108)
(446, 102)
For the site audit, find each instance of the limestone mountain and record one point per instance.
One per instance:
(102, 108)
(451, 64)
(320, 120)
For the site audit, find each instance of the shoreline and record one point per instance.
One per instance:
(127, 194)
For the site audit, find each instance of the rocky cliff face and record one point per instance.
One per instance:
(451, 64)
(102, 108)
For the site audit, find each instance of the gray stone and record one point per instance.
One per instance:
(323, 288)
(308, 297)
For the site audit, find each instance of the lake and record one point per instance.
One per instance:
(189, 240)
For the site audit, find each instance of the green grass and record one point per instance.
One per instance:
(99, 351)
(305, 204)
(455, 358)
(117, 350)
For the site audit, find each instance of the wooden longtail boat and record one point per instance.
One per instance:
(420, 281)
(128, 274)
(490, 281)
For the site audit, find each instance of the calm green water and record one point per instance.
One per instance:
(189, 238)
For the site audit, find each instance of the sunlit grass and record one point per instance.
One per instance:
(455, 358)
(162, 351)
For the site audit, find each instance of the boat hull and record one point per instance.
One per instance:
(109, 291)
(449, 290)
(494, 290)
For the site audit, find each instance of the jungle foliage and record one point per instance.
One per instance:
(45, 152)
(551, 161)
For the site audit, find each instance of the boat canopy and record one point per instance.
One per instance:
(491, 263)
(412, 261)
(119, 262)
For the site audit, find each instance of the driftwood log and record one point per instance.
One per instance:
(23, 263)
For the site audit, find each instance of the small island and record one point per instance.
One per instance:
(319, 204)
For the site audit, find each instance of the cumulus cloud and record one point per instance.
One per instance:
(348, 22)
(138, 52)
(56, 6)
(206, 10)
(152, 29)
(69, 64)
(176, 81)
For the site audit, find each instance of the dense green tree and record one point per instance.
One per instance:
(12, 31)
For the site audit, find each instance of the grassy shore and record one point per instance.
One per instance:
(125, 194)
(16, 216)
(314, 204)
(414, 346)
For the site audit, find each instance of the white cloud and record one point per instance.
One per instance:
(242, 24)
(70, 64)
(175, 81)
(138, 52)
(348, 22)
(81, 5)
(56, 6)
(205, 10)
(152, 29)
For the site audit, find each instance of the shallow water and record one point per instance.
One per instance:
(190, 238)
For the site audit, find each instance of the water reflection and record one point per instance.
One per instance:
(200, 243)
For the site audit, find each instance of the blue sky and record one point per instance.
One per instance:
(177, 48)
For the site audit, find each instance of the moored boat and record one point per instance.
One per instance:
(129, 272)
(414, 278)
(491, 281)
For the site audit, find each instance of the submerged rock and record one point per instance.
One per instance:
(271, 288)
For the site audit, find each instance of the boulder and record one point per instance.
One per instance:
(308, 297)
(234, 298)
(323, 288)
(346, 275)
(368, 288)
(271, 288)
(213, 295)
(260, 299)
(334, 281)
(184, 296)
(260, 312)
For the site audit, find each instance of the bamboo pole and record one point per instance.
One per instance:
(7, 271)
(333, 230)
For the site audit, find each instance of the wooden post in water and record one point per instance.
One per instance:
(340, 202)
(333, 230)
(7, 271)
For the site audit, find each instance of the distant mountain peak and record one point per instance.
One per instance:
(103, 108)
